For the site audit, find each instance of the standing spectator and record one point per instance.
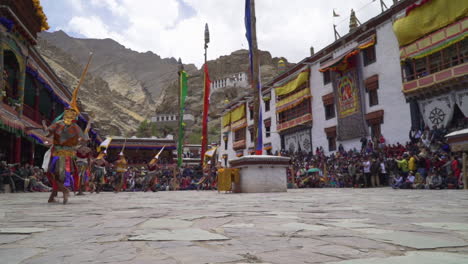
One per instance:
(383, 173)
(375, 168)
(366, 164)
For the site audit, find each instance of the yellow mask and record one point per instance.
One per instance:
(69, 116)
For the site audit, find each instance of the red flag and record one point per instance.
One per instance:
(206, 108)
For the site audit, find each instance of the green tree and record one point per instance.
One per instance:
(144, 129)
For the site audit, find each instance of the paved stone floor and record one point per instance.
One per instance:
(301, 226)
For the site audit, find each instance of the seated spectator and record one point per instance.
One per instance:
(434, 181)
(409, 182)
(418, 182)
(397, 182)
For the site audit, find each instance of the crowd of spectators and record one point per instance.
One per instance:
(22, 178)
(424, 162)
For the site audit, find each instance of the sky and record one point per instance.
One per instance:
(175, 28)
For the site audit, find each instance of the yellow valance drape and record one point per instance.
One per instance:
(238, 113)
(427, 18)
(226, 120)
(369, 42)
(293, 84)
(292, 100)
(436, 41)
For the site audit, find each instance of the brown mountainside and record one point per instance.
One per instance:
(125, 87)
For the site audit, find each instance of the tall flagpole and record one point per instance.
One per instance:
(181, 116)
(206, 103)
(255, 68)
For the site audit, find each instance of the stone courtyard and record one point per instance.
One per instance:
(302, 226)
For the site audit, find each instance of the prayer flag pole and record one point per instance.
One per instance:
(206, 98)
(251, 34)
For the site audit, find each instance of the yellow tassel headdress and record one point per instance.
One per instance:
(74, 100)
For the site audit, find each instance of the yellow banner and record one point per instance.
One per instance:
(293, 84)
(292, 100)
(238, 113)
(428, 18)
(226, 120)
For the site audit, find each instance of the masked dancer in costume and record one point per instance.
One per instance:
(67, 136)
(153, 173)
(121, 168)
(99, 165)
(83, 162)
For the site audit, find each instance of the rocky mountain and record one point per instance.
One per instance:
(125, 87)
(113, 113)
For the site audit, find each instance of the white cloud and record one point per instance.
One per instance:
(284, 28)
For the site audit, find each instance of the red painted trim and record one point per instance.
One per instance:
(443, 75)
(426, 80)
(410, 85)
(459, 70)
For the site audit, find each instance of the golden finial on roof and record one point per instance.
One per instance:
(281, 65)
(353, 21)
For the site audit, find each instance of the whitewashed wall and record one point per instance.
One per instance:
(397, 120)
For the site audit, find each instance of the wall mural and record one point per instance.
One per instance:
(298, 141)
(347, 91)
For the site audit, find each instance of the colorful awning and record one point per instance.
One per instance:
(436, 41)
(339, 62)
(292, 100)
(427, 18)
(293, 84)
(369, 42)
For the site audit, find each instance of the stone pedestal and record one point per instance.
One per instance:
(262, 173)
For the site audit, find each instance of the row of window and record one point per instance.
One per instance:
(223, 83)
(166, 118)
(449, 57)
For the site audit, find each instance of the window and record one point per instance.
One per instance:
(331, 137)
(251, 132)
(326, 77)
(267, 131)
(267, 105)
(331, 143)
(374, 120)
(375, 130)
(372, 85)
(373, 98)
(329, 111)
(369, 55)
(251, 113)
(239, 134)
(225, 139)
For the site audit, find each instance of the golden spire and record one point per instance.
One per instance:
(353, 21)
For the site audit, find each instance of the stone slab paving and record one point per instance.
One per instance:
(345, 226)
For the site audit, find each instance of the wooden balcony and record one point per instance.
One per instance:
(306, 118)
(239, 144)
(425, 83)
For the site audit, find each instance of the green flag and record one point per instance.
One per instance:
(183, 95)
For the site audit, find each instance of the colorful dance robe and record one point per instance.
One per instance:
(62, 165)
